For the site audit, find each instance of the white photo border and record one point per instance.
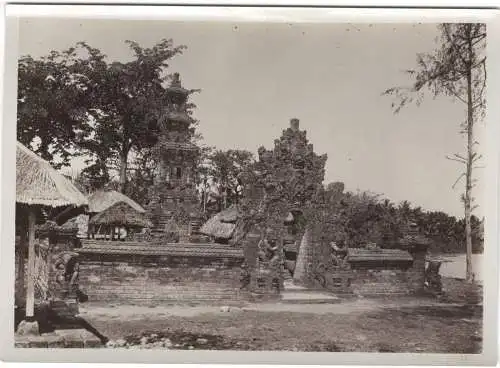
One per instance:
(248, 14)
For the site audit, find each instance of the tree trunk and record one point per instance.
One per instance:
(123, 170)
(303, 258)
(468, 173)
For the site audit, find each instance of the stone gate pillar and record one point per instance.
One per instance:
(417, 245)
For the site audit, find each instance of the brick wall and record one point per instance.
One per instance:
(160, 278)
(373, 282)
(390, 280)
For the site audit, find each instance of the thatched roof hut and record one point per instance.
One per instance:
(229, 215)
(38, 183)
(121, 214)
(102, 200)
(80, 223)
(225, 225)
(221, 225)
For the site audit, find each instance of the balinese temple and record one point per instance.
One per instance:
(293, 142)
(174, 194)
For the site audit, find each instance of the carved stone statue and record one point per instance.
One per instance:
(268, 250)
(245, 276)
(338, 255)
(432, 277)
(67, 277)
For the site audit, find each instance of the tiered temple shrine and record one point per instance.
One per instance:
(174, 200)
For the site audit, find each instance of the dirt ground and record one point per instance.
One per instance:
(362, 325)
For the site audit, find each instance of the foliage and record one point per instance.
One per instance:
(76, 102)
(55, 99)
(132, 100)
(93, 177)
(141, 176)
(357, 219)
(444, 72)
(456, 68)
(225, 167)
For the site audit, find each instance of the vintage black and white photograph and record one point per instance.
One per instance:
(250, 186)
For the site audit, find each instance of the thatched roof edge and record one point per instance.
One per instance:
(218, 229)
(102, 200)
(120, 213)
(38, 183)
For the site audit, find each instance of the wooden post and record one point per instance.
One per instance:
(30, 294)
(23, 245)
(224, 198)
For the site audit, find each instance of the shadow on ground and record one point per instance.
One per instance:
(49, 320)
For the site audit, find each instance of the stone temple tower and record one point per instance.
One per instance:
(174, 196)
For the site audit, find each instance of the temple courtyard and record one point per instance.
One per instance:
(452, 324)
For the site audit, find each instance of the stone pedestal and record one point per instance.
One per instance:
(28, 328)
(77, 338)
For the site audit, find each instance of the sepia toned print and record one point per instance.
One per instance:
(257, 187)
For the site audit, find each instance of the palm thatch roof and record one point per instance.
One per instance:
(38, 183)
(221, 225)
(70, 224)
(121, 214)
(101, 200)
(229, 215)
(79, 222)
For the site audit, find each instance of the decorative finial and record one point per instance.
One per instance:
(176, 80)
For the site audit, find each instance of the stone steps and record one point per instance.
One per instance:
(308, 297)
(299, 294)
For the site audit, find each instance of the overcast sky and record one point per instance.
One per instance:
(255, 77)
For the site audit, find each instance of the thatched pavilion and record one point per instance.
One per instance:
(120, 214)
(104, 199)
(38, 185)
(221, 226)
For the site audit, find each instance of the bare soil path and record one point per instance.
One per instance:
(363, 325)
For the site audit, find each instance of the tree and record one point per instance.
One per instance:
(141, 178)
(226, 166)
(132, 103)
(456, 68)
(93, 178)
(55, 100)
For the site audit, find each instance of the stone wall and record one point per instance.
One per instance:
(390, 280)
(137, 277)
(416, 274)
(373, 282)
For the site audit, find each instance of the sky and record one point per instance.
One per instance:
(255, 77)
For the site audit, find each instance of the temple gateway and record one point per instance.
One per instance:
(171, 261)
